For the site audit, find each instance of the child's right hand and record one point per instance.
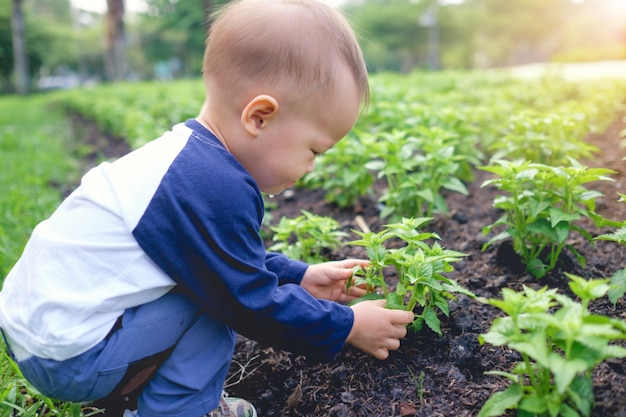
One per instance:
(376, 329)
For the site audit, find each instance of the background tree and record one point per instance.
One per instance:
(167, 41)
(19, 48)
(173, 35)
(36, 41)
(115, 58)
(6, 50)
(391, 34)
(400, 35)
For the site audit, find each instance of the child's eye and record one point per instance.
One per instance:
(315, 154)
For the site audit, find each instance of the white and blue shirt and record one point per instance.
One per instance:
(180, 210)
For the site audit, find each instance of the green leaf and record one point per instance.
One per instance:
(617, 236)
(501, 401)
(526, 174)
(537, 268)
(514, 378)
(618, 286)
(534, 345)
(496, 238)
(442, 303)
(567, 411)
(581, 393)
(502, 331)
(375, 165)
(588, 290)
(557, 215)
(534, 405)
(565, 370)
(455, 184)
(417, 324)
(543, 227)
(432, 321)
(537, 207)
(394, 301)
(562, 230)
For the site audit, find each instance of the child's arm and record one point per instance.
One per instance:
(328, 280)
(376, 329)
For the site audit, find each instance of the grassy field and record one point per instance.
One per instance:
(35, 157)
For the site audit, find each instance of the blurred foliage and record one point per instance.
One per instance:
(176, 29)
(487, 33)
(167, 40)
(55, 40)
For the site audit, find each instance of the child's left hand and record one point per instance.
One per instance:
(328, 280)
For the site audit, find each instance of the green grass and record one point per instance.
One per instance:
(34, 156)
(35, 139)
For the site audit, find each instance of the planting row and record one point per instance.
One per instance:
(424, 136)
(559, 340)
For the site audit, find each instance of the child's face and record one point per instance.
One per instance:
(286, 147)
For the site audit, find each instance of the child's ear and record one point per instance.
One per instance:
(260, 111)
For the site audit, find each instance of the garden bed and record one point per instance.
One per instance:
(431, 376)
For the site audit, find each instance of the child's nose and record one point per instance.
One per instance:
(311, 166)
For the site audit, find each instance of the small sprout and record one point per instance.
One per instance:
(306, 237)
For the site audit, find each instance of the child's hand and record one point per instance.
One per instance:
(377, 329)
(328, 280)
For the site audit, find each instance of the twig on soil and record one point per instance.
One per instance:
(242, 373)
(360, 221)
(296, 396)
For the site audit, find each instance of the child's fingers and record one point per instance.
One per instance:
(351, 263)
(382, 353)
(357, 292)
(401, 317)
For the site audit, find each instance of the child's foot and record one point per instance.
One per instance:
(233, 407)
(229, 407)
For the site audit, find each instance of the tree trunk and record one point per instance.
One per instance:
(19, 48)
(115, 41)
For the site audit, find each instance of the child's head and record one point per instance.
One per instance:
(285, 81)
(292, 48)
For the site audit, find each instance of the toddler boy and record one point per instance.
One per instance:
(142, 276)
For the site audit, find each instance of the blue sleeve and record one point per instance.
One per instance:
(202, 228)
(287, 270)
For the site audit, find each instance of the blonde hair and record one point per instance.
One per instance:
(296, 45)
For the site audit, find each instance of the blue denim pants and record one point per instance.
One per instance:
(188, 383)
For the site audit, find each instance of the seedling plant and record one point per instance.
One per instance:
(548, 138)
(541, 208)
(306, 237)
(417, 169)
(420, 269)
(560, 342)
(341, 172)
(618, 280)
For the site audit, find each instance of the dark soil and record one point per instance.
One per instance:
(433, 376)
